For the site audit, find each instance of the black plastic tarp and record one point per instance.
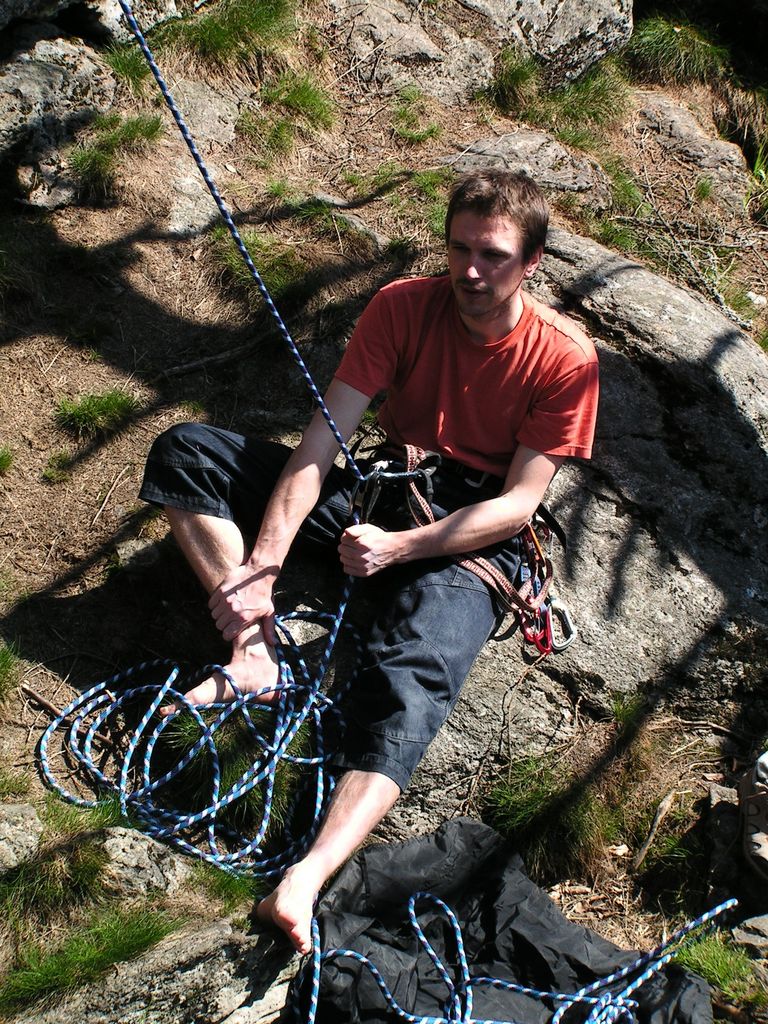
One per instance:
(511, 930)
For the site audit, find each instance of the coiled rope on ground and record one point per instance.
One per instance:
(143, 789)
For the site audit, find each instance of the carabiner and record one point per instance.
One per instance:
(567, 631)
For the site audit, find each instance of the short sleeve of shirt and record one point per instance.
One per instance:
(562, 419)
(369, 363)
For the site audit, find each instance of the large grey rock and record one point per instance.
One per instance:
(47, 92)
(568, 38)
(204, 975)
(210, 113)
(20, 831)
(541, 156)
(678, 133)
(138, 864)
(192, 209)
(393, 48)
(106, 14)
(753, 935)
(450, 56)
(148, 13)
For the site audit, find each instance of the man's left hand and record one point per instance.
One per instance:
(365, 549)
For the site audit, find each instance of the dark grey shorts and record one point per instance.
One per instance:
(432, 616)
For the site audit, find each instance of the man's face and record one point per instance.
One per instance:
(486, 266)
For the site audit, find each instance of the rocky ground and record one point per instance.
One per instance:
(666, 573)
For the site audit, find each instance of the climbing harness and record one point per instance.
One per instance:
(144, 765)
(533, 603)
(606, 1000)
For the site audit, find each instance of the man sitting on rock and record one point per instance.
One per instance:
(504, 389)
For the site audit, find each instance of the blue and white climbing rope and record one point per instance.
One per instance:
(142, 794)
(143, 789)
(232, 228)
(606, 1000)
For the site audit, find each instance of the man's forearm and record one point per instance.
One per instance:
(298, 487)
(366, 549)
(470, 528)
(293, 498)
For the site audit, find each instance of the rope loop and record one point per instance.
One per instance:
(185, 750)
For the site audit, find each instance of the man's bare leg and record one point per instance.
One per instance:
(213, 547)
(360, 801)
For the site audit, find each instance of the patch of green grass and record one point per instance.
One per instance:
(229, 889)
(702, 189)
(235, 32)
(12, 783)
(626, 194)
(596, 100)
(237, 751)
(9, 669)
(62, 819)
(560, 827)
(575, 112)
(302, 97)
(56, 880)
(129, 65)
(281, 269)
(84, 954)
(6, 459)
(432, 186)
(757, 199)
(761, 337)
(735, 294)
(192, 408)
(724, 966)
(666, 51)
(400, 249)
(409, 118)
(96, 168)
(91, 415)
(95, 164)
(58, 467)
(278, 190)
(387, 176)
(616, 236)
(628, 709)
(273, 136)
(516, 81)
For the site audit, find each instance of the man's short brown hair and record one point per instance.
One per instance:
(509, 194)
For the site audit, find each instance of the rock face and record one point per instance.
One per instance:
(568, 38)
(20, 831)
(106, 14)
(138, 864)
(542, 157)
(29, 10)
(47, 91)
(396, 44)
(203, 975)
(677, 133)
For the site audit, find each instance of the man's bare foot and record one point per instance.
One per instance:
(290, 907)
(253, 666)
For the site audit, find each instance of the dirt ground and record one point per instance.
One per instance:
(103, 298)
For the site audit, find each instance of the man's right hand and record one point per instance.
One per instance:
(242, 598)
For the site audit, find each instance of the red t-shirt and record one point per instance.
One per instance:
(475, 403)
